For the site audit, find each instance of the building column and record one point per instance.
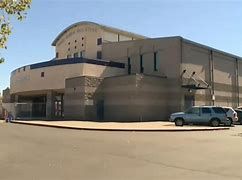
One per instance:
(50, 105)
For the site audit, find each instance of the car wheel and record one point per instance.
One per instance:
(230, 122)
(179, 122)
(214, 122)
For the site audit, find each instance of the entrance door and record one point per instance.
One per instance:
(189, 101)
(100, 110)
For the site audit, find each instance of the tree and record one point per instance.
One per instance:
(9, 9)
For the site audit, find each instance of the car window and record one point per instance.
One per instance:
(226, 109)
(219, 110)
(206, 110)
(193, 110)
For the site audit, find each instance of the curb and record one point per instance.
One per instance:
(107, 129)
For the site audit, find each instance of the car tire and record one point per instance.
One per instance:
(230, 122)
(179, 122)
(214, 122)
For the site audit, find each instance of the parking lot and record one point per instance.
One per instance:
(31, 152)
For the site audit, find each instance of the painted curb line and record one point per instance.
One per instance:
(107, 129)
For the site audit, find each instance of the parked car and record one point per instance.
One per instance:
(239, 114)
(231, 114)
(211, 115)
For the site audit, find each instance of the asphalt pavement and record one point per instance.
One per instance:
(37, 153)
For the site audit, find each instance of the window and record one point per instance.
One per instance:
(69, 49)
(82, 54)
(82, 44)
(155, 61)
(82, 38)
(206, 110)
(218, 110)
(129, 66)
(75, 55)
(24, 68)
(75, 47)
(68, 56)
(141, 64)
(42, 74)
(99, 54)
(193, 110)
(75, 41)
(99, 41)
(56, 54)
(69, 43)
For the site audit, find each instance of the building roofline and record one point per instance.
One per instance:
(108, 28)
(186, 41)
(210, 48)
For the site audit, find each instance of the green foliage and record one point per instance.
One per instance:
(10, 8)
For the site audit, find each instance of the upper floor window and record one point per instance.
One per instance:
(155, 61)
(99, 41)
(99, 54)
(56, 54)
(141, 64)
(42, 74)
(82, 54)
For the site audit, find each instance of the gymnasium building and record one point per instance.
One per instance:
(102, 73)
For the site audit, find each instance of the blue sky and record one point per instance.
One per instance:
(215, 23)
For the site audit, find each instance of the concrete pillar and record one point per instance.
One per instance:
(50, 105)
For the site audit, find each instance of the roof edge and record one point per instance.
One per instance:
(109, 28)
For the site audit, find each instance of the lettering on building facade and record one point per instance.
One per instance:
(75, 31)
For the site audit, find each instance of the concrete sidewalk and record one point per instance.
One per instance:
(115, 126)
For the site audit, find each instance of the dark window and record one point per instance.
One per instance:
(193, 110)
(75, 55)
(141, 64)
(75, 41)
(118, 37)
(69, 49)
(99, 54)
(56, 54)
(24, 68)
(129, 66)
(226, 109)
(206, 110)
(219, 110)
(69, 43)
(155, 61)
(19, 70)
(82, 53)
(75, 47)
(99, 41)
(82, 38)
(42, 74)
(82, 44)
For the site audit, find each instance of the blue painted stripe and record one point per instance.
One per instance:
(76, 61)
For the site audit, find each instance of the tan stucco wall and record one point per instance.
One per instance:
(168, 55)
(126, 98)
(54, 76)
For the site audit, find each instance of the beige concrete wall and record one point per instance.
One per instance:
(54, 76)
(140, 98)
(126, 98)
(224, 80)
(196, 59)
(168, 55)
